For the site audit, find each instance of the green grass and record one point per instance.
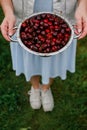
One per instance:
(70, 95)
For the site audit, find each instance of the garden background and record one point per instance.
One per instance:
(70, 95)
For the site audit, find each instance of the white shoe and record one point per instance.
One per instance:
(47, 100)
(35, 98)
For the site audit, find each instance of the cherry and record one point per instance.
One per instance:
(43, 15)
(29, 42)
(37, 24)
(64, 25)
(38, 17)
(28, 35)
(47, 30)
(43, 33)
(53, 43)
(54, 39)
(46, 20)
(30, 30)
(37, 45)
(41, 27)
(51, 19)
(49, 35)
(49, 23)
(58, 41)
(52, 27)
(68, 29)
(55, 23)
(48, 15)
(38, 31)
(54, 48)
(24, 24)
(43, 46)
(42, 39)
(48, 41)
(62, 31)
(41, 23)
(35, 27)
(54, 34)
(47, 50)
(48, 44)
(46, 24)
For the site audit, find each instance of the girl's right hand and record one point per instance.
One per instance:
(7, 26)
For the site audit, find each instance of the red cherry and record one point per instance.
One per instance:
(47, 50)
(29, 42)
(49, 23)
(48, 41)
(54, 34)
(58, 41)
(43, 15)
(43, 32)
(47, 30)
(24, 25)
(38, 31)
(38, 45)
(68, 30)
(51, 27)
(46, 20)
(42, 39)
(49, 35)
(54, 48)
(53, 43)
(46, 24)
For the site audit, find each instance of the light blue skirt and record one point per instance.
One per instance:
(47, 67)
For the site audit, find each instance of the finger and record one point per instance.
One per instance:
(11, 30)
(79, 25)
(76, 30)
(4, 30)
(82, 35)
(84, 32)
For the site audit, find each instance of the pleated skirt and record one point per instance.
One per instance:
(30, 65)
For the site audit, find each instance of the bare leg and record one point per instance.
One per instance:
(35, 100)
(35, 81)
(47, 97)
(47, 86)
(35, 97)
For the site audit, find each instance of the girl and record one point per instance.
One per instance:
(34, 66)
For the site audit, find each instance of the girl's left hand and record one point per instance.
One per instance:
(81, 21)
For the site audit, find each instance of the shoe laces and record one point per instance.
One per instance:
(34, 90)
(45, 93)
(34, 93)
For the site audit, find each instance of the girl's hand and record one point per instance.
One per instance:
(81, 21)
(7, 26)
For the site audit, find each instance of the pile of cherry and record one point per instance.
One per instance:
(45, 33)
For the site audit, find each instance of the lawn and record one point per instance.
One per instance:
(70, 95)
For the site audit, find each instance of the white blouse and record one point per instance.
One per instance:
(23, 8)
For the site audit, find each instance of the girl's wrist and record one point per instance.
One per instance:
(7, 7)
(82, 4)
(8, 11)
(9, 14)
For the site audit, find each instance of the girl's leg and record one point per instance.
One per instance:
(35, 97)
(41, 94)
(47, 97)
(35, 81)
(47, 86)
